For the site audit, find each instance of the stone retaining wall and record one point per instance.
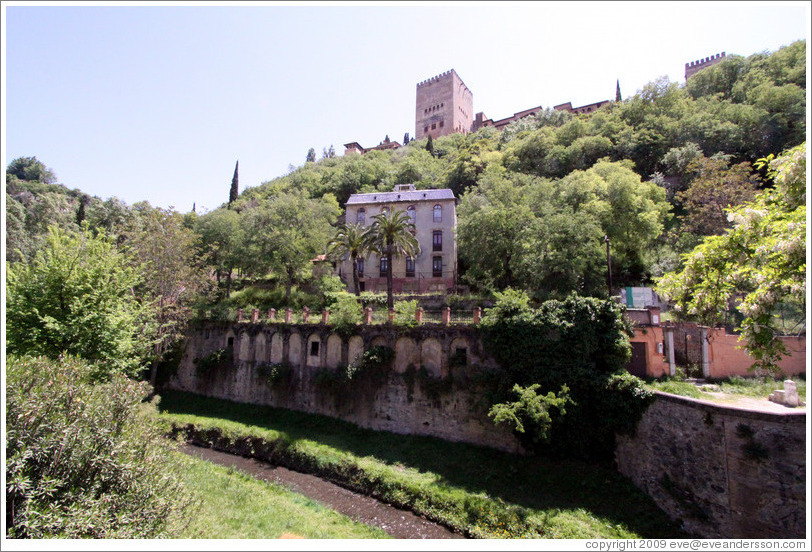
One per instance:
(443, 403)
(723, 471)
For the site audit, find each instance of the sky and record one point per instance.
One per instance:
(157, 101)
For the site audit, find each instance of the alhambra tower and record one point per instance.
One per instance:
(444, 106)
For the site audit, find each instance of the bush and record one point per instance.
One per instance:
(275, 374)
(345, 312)
(531, 417)
(405, 313)
(85, 461)
(215, 360)
(581, 343)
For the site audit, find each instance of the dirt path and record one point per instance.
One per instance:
(401, 524)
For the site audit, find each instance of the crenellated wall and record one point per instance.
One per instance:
(400, 405)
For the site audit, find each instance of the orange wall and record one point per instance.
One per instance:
(656, 363)
(727, 359)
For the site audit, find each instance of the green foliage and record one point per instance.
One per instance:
(214, 361)
(762, 258)
(367, 373)
(581, 343)
(532, 415)
(275, 374)
(84, 460)
(76, 297)
(345, 312)
(405, 313)
(285, 232)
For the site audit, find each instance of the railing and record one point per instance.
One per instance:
(369, 316)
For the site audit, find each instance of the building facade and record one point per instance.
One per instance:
(434, 214)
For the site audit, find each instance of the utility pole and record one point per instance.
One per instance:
(608, 266)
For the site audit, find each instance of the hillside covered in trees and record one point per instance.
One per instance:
(653, 173)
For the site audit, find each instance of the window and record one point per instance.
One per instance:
(438, 213)
(361, 216)
(425, 128)
(442, 123)
(409, 267)
(437, 267)
(437, 241)
(384, 266)
(360, 265)
(433, 126)
(410, 213)
(314, 348)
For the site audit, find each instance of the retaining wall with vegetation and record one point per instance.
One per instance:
(441, 400)
(724, 472)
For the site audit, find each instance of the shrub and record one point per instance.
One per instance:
(85, 461)
(405, 313)
(216, 360)
(531, 417)
(345, 312)
(581, 343)
(276, 373)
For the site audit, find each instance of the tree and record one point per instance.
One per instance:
(762, 258)
(405, 138)
(391, 235)
(285, 232)
(430, 145)
(163, 249)
(222, 240)
(311, 155)
(349, 242)
(714, 189)
(235, 184)
(30, 169)
(76, 298)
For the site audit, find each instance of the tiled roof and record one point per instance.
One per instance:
(408, 196)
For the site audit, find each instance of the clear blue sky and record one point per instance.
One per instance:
(157, 103)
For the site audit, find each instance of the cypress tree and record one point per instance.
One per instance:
(235, 184)
(430, 146)
(617, 92)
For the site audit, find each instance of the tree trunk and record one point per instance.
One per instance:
(354, 259)
(228, 284)
(390, 284)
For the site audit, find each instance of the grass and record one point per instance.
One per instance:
(734, 386)
(233, 505)
(478, 491)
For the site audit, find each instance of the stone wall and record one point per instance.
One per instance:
(724, 472)
(449, 407)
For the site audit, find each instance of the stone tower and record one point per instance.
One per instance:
(694, 66)
(444, 106)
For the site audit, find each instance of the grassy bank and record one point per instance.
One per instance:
(481, 492)
(757, 387)
(233, 505)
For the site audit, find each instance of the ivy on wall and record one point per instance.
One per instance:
(580, 344)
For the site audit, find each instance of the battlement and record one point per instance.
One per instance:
(439, 77)
(694, 66)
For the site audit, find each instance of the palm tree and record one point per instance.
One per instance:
(348, 241)
(391, 235)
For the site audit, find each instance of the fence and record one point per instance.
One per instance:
(371, 316)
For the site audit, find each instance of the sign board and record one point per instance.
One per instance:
(639, 297)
